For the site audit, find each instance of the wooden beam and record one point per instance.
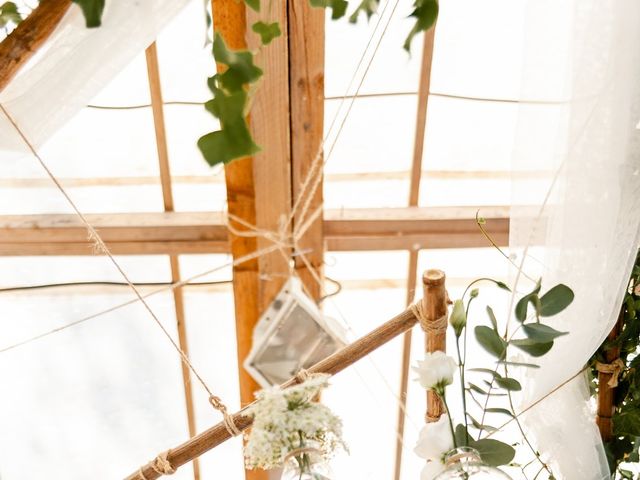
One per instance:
(271, 166)
(29, 36)
(155, 88)
(229, 20)
(188, 232)
(306, 83)
(414, 195)
(331, 365)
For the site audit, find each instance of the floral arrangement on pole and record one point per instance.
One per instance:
(290, 429)
(492, 394)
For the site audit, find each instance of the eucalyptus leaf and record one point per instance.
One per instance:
(92, 11)
(504, 411)
(492, 318)
(267, 31)
(477, 389)
(541, 333)
(519, 364)
(510, 384)
(556, 300)
(532, 347)
(494, 452)
(490, 341)
(523, 303)
(488, 371)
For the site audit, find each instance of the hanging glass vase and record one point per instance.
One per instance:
(306, 464)
(465, 463)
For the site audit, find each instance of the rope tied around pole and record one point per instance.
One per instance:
(229, 423)
(439, 325)
(614, 368)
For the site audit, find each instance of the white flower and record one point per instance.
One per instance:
(435, 440)
(436, 371)
(431, 470)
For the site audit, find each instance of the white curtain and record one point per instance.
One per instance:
(76, 63)
(576, 196)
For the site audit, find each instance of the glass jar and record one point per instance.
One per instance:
(305, 464)
(465, 463)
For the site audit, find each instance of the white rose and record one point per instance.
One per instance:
(431, 470)
(436, 371)
(435, 440)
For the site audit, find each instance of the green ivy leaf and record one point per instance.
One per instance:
(234, 139)
(369, 7)
(494, 452)
(556, 300)
(492, 318)
(92, 11)
(254, 4)
(510, 384)
(425, 12)
(267, 31)
(240, 67)
(627, 422)
(532, 347)
(338, 7)
(491, 341)
(541, 333)
(9, 14)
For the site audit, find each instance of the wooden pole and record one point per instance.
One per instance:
(331, 365)
(29, 36)
(155, 89)
(414, 195)
(434, 306)
(606, 394)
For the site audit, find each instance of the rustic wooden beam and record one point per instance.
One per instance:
(188, 232)
(414, 195)
(306, 85)
(331, 365)
(229, 20)
(272, 165)
(155, 89)
(29, 36)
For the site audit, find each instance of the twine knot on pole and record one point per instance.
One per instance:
(439, 325)
(162, 465)
(230, 425)
(302, 375)
(614, 368)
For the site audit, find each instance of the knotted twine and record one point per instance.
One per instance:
(161, 465)
(439, 325)
(614, 368)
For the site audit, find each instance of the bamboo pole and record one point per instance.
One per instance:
(434, 306)
(606, 394)
(331, 365)
(28, 37)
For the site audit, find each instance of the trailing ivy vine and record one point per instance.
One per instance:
(623, 448)
(232, 89)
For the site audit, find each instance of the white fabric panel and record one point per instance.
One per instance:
(584, 54)
(76, 63)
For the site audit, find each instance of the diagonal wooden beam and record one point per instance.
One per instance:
(155, 88)
(29, 36)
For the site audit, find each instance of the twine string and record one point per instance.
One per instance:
(162, 465)
(439, 325)
(614, 369)
(229, 423)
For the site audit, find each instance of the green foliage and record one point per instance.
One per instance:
(92, 10)
(253, 4)
(623, 448)
(425, 12)
(489, 339)
(369, 7)
(493, 452)
(338, 7)
(555, 300)
(229, 104)
(267, 31)
(9, 14)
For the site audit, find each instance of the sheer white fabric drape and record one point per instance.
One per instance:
(576, 196)
(76, 63)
